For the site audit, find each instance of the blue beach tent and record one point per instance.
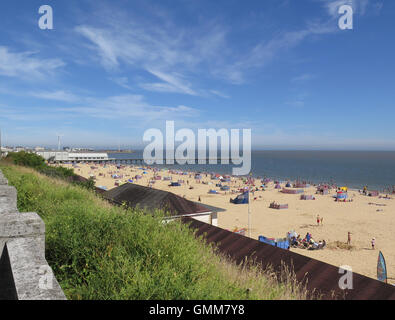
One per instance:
(341, 195)
(241, 198)
(279, 243)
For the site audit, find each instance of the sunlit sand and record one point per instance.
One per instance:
(365, 217)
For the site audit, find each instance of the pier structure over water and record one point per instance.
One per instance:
(131, 161)
(103, 158)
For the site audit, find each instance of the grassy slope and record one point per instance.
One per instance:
(98, 251)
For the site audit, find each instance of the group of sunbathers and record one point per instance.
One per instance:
(307, 242)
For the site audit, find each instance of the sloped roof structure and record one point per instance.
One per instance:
(152, 199)
(319, 277)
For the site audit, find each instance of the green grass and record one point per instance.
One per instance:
(39, 164)
(98, 251)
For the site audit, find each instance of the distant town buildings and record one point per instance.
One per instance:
(82, 149)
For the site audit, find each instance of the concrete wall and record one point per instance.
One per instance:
(24, 272)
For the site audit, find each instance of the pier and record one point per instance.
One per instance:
(141, 161)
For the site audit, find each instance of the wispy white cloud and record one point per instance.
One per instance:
(171, 83)
(59, 95)
(126, 111)
(298, 101)
(28, 114)
(264, 52)
(129, 107)
(105, 45)
(359, 6)
(158, 52)
(303, 78)
(157, 46)
(122, 81)
(26, 65)
(220, 94)
(177, 55)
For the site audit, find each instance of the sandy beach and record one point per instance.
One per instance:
(365, 217)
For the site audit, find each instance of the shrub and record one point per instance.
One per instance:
(26, 159)
(38, 163)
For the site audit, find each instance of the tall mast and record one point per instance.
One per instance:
(249, 215)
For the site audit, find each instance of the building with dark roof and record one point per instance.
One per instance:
(151, 199)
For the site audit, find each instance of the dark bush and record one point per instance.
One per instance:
(27, 159)
(38, 163)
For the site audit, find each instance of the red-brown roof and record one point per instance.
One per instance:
(318, 276)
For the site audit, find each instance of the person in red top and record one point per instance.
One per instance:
(349, 238)
(318, 220)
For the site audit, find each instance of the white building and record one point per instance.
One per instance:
(73, 156)
(4, 151)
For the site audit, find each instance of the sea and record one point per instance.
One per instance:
(354, 169)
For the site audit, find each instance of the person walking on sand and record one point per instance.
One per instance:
(349, 238)
(322, 220)
(318, 219)
(373, 243)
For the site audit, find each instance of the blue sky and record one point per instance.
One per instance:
(109, 70)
